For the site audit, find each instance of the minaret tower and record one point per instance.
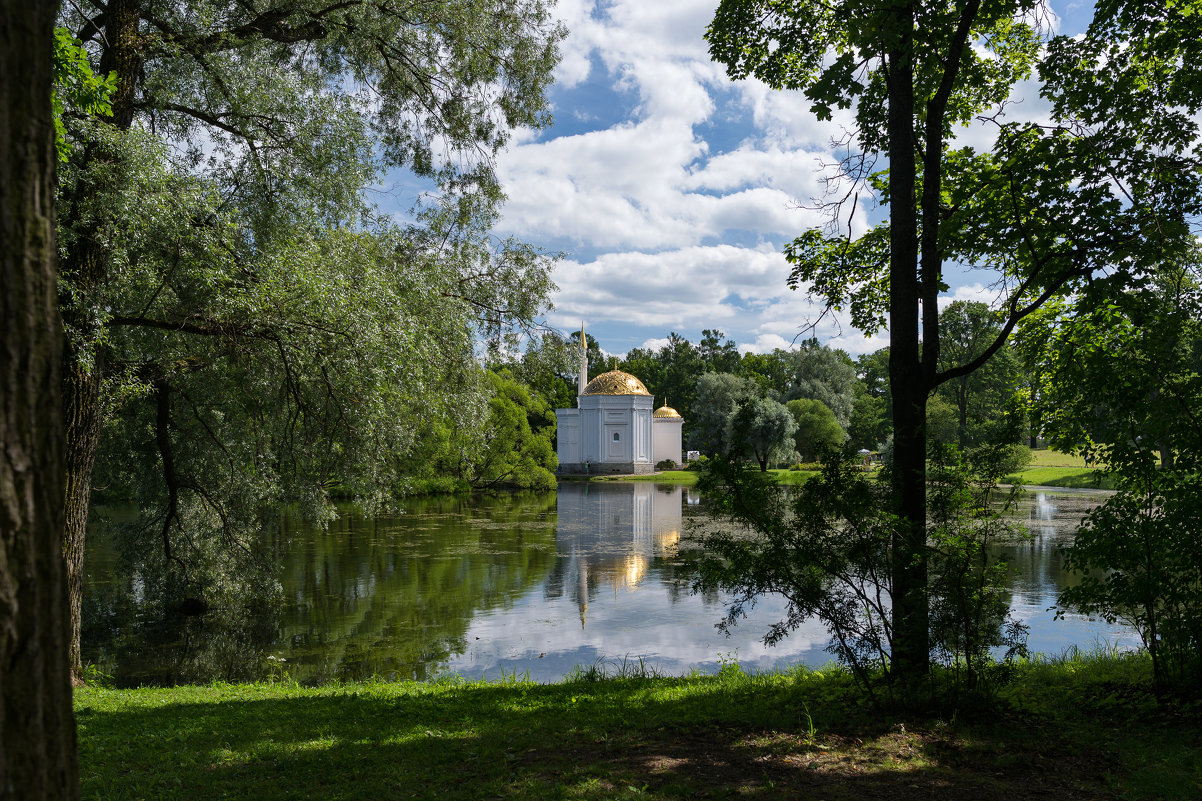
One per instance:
(582, 373)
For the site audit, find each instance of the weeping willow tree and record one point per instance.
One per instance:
(244, 327)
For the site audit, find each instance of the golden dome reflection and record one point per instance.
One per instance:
(615, 382)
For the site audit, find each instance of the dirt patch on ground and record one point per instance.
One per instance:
(897, 764)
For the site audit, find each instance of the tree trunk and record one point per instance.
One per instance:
(37, 727)
(82, 405)
(84, 369)
(910, 651)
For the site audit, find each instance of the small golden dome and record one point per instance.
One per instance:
(615, 382)
(665, 411)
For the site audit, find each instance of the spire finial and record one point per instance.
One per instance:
(582, 377)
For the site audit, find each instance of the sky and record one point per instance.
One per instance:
(671, 191)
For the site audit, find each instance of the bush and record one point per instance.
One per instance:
(825, 548)
(970, 604)
(665, 464)
(999, 461)
(1139, 560)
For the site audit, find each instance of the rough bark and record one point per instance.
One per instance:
(37, 727)
(87, 267)
(82, 406)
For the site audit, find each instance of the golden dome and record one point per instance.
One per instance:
(615, 382)
(665, 411)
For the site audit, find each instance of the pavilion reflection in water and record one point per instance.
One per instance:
(610, 535)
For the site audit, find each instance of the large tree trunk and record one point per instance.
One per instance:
(910, 653)
(37, 728)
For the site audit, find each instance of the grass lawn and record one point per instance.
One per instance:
(1050, 468)
(682, 477)
(689, 477)
(1047, 469)
(1086, 729)
(1046, 457)
(1082, 477)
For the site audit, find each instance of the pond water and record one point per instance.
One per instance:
(485, 586)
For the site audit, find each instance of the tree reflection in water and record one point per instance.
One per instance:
(480, 584)
(390, 597)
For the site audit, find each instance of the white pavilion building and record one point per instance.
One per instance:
(613, 428)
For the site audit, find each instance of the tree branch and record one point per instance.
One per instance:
(204, 328)
(271, 25)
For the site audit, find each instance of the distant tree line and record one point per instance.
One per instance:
(794, 404)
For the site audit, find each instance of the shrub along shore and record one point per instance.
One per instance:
(1071, 477)
(1082, 726)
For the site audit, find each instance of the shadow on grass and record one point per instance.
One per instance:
(674, 738)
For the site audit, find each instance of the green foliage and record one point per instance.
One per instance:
(870, 423)
(1121, 382)
(818, 431)
(1140, 560)
(732, 418)
(1099, 194)
(872, 413)
(818, 372)
(768, 370)
(261, 334)
(671, 374)
(719, 396)
(518, 450)
(982, 398)
(999, 461)
(762, 429)
(717, 353)
(970, 606)
(819, 49)
(942, 421)
(78, 91)
(826, 550)
(548, 367)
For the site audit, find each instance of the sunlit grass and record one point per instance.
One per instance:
(1046, 457)
(1084, 724)
(689, 477)
(1073, 477)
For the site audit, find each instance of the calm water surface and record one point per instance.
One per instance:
(482, 586)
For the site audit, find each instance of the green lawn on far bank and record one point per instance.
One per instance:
(689, 477)
(1048, 468)
(1051, 468)
(1075, 729)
